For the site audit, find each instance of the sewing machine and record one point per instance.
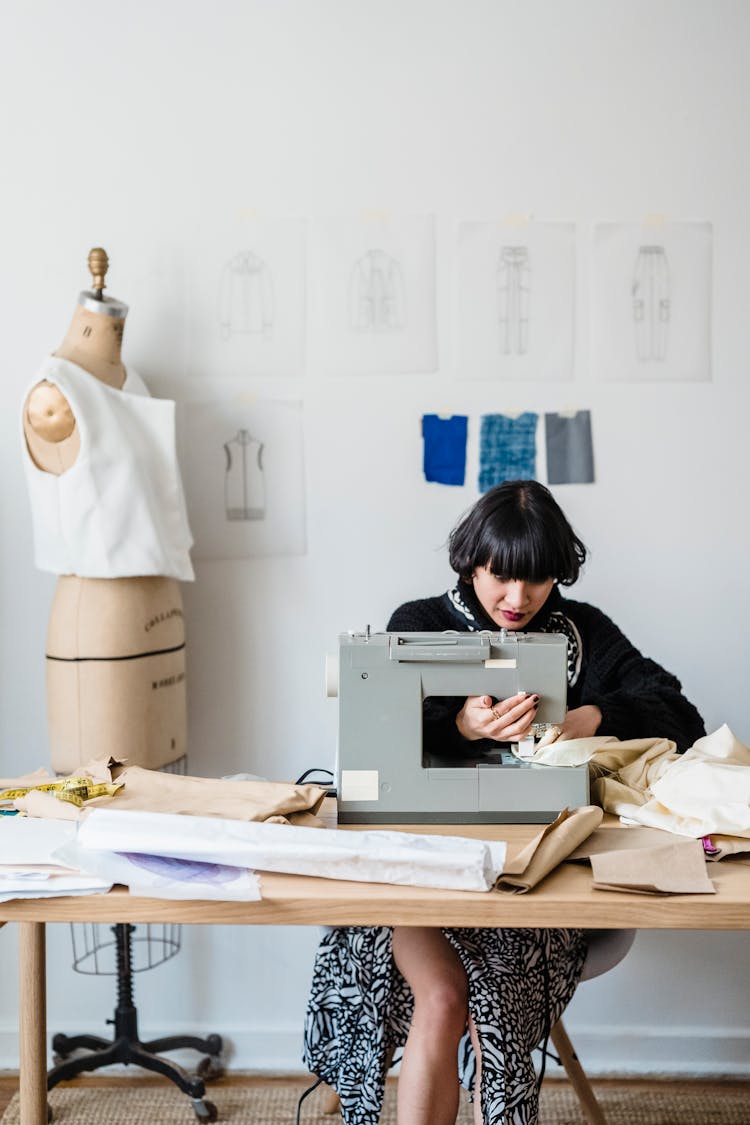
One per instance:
(383, 773)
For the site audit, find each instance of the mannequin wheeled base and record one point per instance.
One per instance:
(125, 1046)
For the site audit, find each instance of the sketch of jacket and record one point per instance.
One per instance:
(513, 299)
(651, 304)
(244, 483)
(246, 300)
(377, 296)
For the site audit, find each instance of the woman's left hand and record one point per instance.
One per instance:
(581, 722)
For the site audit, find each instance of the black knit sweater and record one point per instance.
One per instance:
(636, 696)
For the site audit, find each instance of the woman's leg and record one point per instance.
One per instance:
(428, 1081)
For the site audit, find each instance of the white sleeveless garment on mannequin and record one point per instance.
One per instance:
(119, 510)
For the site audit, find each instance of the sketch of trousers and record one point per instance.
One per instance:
(246, 301)
(377, 297)
(651, 304)
(244, 484)
(513, 298)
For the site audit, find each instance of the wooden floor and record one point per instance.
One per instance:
(9, 1083)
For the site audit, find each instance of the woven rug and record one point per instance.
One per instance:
(277, 1104)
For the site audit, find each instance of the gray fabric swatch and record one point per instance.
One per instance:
(570, 452)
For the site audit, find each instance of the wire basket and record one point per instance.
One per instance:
(95, 947)
(94, 944)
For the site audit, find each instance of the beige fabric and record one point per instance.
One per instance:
(547, 850)
(706, 790)
(150, 791)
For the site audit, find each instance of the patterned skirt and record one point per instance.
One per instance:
(360, 1009)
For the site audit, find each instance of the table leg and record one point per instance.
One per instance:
(32, 1003)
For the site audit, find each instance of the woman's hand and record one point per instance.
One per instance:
(508, 720)
(581, 722)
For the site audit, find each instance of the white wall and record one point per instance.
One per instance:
(125, 128)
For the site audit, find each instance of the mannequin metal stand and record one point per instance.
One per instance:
(126, 1047)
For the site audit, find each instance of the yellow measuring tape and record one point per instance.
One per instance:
(76, 790)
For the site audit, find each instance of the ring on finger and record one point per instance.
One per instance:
(496, 713)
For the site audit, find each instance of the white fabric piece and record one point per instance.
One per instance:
(707, 790)
(51, 886)
(165, 877)
(28, 864)
(29, 841)
(119, 510)
(448, 862)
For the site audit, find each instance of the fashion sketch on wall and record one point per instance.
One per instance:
(651, 302)
(244, 482)
(244, 476)
(372, 294)
(377, 297)
(246, 298)
(515, 300)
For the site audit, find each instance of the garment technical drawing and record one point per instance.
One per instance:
(244, 483)
(651, 304)
(246, 297)
(377, 296)
(513, 299)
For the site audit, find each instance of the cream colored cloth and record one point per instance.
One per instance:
(706, 790)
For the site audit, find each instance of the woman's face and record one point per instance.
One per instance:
(510, 602)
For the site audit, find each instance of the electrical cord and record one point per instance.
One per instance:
(330, 792)
(308, 1091)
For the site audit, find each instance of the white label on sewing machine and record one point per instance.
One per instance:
(359, 785)
(501, 662)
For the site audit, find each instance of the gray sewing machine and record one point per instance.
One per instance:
(385, 776)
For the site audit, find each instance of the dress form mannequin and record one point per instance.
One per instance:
(116, 645)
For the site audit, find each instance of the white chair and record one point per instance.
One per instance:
(606, 948)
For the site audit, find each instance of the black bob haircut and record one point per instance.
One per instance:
(518, 531)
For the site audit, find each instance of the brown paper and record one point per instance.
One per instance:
(620, 838)
(677, 869)
(38, 777)
(547, 850)
(151, 791)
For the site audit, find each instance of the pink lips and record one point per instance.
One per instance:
(512, 616)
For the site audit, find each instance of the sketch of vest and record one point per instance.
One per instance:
(244, 483)
(377, 297)
(651, 304)
(513, 299)
(246, 301)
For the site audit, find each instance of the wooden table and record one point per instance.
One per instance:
(565, 898)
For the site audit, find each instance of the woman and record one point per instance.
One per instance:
(375, 989)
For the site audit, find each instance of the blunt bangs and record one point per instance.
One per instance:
(518, 531)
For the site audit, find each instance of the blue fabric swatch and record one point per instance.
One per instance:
(444, 448)
(507, 449)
